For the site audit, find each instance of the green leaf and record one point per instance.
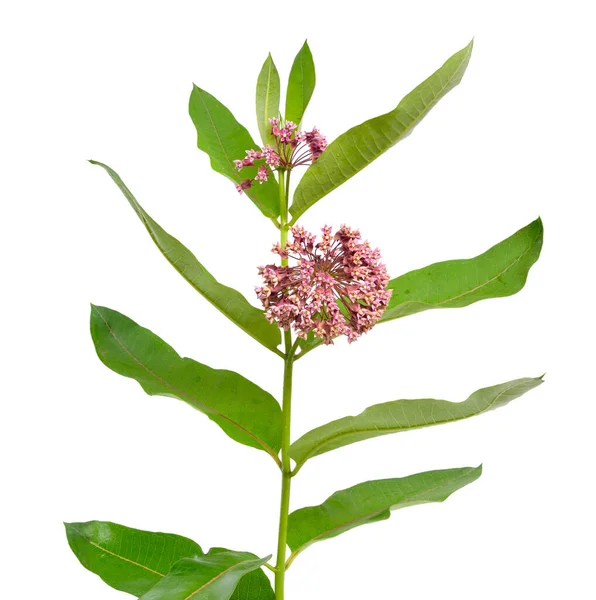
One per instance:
(129, 560)
(134, 561)
(211, 577)
(268, 91)
(359, 146)
(225, 140)
(230, 302)
(371, 502)
(402, 415)
(500, 271)
(301, 85)
(247, 413)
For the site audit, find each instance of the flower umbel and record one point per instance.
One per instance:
(292, 149)
(337, 286)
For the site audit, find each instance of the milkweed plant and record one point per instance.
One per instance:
(318, 288)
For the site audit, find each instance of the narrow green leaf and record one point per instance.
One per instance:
(359, 146)
(247, 413)
(401, 415)
(230, 302)
(268, 92)
(129, 560)
(225, 140)
(301, 85)
(500, 271)
(214, 576)
(371, 502)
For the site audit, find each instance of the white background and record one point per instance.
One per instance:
(110, 81)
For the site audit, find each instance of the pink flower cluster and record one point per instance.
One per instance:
(292, 149)
(337, 286)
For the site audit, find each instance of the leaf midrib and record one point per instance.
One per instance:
(194, 400)
(218, 576)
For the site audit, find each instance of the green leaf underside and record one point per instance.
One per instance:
(403, 415)
(227, 300)
(372, 501)
(225, 140)
(500, 271)
(129, 560)
(359, 146)
(247, 413)
(301, 85)
(268, 93)
(135, 561)
(211, 577)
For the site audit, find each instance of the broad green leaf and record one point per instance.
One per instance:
(247, 413)
(129, 560)
(214, 576)
(225, 140)
(134, 561)
(401, 415)
(500, 271)
(301, 85)
(230, 302)
(370, 502)
(268, 91)
(359, 146)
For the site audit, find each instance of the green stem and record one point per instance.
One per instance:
(286, 468)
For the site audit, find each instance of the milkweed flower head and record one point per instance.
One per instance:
(336, 286)
(292, 148)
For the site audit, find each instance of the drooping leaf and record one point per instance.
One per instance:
(229, 301)
(225, 140)
(129, 560)
(134, 561)
(214, 576)
(247, 413)
(370, 502)
(301, 85)
(500, 271)
(359, 146)
(268, 92)
(402, 415)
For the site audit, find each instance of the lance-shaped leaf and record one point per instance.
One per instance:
(214, 576)
(370, 502)
(401, 415)
(500, 271)
(301, 85)
(225, 140)
(359, 146)
(247, 413)
(134, 561)
(230, 302)
(268, 91)
(129, 560)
